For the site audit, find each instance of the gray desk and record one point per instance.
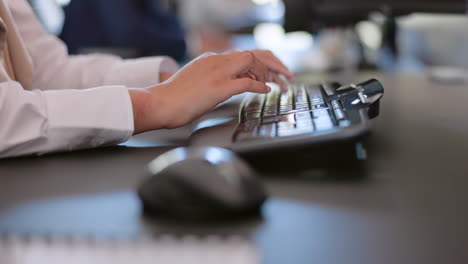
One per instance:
(412, 208)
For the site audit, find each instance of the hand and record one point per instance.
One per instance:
(200, 86)
(164, 76)
(276, 68)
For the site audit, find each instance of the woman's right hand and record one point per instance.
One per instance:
(201, 85)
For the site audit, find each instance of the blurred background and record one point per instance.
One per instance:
(428, 36)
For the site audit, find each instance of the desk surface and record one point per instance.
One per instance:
(412, 208)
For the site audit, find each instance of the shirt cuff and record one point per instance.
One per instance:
(140, 73)
(88, 118)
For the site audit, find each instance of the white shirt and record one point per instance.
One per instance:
(73, 102)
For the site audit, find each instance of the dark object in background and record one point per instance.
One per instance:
(313, 15)
(141, 25)
(201, 184)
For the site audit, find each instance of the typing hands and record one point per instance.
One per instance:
(202, 84)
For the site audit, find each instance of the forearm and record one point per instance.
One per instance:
(36, 122)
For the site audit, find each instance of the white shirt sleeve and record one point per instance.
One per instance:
(47, 121)
(74, 102)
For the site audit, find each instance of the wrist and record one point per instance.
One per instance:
(166, 107)
(161, 106)
(150, 108)
(164, 76)
(140, 103)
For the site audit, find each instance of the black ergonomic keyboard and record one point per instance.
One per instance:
(306, 115)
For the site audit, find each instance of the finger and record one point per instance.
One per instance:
(259, 71)
(229, 51)
(277, 65)
(244, 62)
(206, 54)
(247, 75)
(282, 84)
(243, 85)
(273, 63)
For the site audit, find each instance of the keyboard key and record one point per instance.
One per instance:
(250, 125)
(286, 125)
(304, 121)
(286, 102)
(255, 103)
(285, 109)
(301, 102)
(319, 106)
(272, 97)
(340, 114)
(315, 96)
(322, 119)
(303, 116)
(302, 106)
(323, 123)
(280, 118)
(270, 107)
(320, 112)
(269, 120)
(268, 114)
(248, 130)
(268, 130)
(286, 98)
(271, 104)
(338, 110)
(336, 104)
(308, 125)
(252, 115)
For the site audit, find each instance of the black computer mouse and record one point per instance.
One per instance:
(201, 183)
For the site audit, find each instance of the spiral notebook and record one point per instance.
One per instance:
(108, 229)
(164, 250)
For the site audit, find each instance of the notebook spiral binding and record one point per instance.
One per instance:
(50, 239)
(164, 248)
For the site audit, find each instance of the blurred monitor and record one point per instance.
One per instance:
(312, 15)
